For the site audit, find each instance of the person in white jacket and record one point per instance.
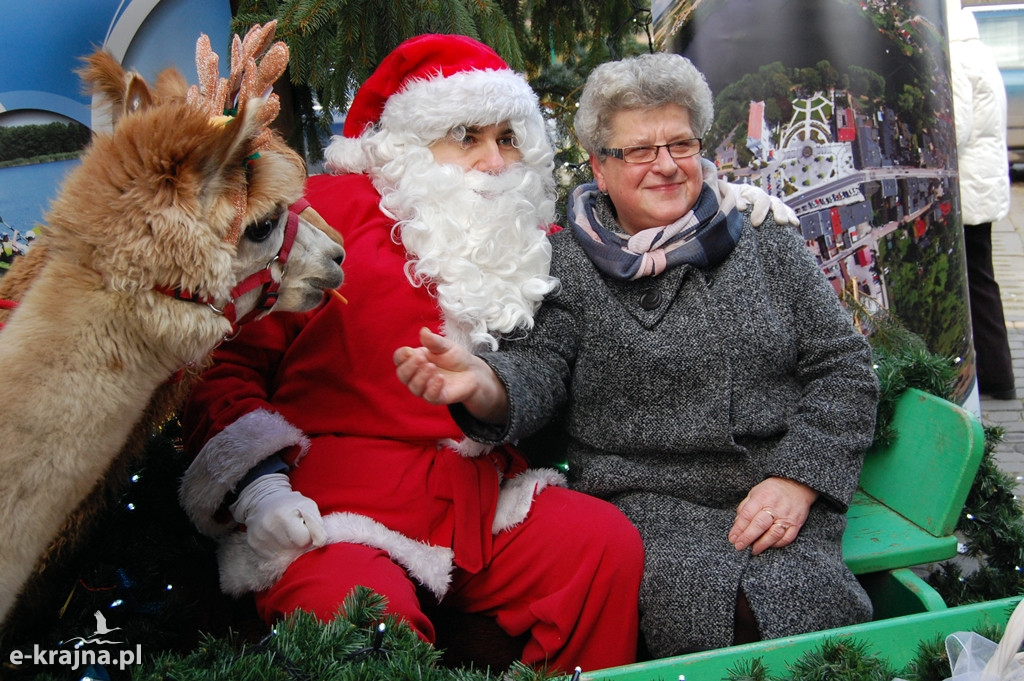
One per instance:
(979, 110)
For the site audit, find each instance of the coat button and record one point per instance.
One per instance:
(650, 300)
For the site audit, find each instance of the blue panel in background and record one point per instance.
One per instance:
(42, 43)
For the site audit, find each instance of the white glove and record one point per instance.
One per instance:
(277, 518)
(749, 195)
(743, 196)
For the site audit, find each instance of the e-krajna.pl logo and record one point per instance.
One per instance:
(82, 652)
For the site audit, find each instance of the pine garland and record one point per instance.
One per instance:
(931, 662)
(836, 659)
(360, 644)
(993, 533)
(840, 659)
(991, 523)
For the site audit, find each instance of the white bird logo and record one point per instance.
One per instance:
(101, 625)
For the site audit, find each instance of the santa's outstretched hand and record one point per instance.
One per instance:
(443, 372)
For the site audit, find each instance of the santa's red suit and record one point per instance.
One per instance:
(402, 507)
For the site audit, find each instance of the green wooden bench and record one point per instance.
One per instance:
(910, 497)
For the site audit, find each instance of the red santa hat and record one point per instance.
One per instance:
(432, 83)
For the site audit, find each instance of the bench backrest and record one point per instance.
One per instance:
(926, 473)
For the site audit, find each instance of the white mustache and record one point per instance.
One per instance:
(487, 184)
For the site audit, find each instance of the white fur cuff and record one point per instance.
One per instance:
(227, 457)
(467, 448)
(516, 496)
(242, 570)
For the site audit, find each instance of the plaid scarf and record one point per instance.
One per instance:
(703, 237)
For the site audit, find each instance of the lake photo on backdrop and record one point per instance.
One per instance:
(26, 193)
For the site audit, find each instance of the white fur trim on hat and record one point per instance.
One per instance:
(432, 107)
(428, 109)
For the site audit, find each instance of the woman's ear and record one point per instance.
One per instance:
(598, 169)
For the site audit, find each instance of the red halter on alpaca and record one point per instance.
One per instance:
(7, 305)
(264, 278)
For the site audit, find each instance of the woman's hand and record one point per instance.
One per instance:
(771, 515)
(442, 372)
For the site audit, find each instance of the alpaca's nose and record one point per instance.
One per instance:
(340, 259)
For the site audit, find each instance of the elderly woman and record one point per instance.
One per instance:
(706, 377)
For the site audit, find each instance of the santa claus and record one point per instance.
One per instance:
(315, 467)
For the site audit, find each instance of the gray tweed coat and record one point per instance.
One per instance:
(680, 392)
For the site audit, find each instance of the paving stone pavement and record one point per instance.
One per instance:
(1008, 259)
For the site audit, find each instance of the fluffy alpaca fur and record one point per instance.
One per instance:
(155, 203)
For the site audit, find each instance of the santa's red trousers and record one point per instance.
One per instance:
(569, 575)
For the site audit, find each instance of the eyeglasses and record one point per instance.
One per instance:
(647, 153)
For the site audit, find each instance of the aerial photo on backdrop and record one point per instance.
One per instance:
(843, 109)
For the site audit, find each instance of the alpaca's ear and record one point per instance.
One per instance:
(170, 83)
(137, 96)
(237, 138)
(125, 92)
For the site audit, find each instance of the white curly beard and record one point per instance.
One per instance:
(478, 241)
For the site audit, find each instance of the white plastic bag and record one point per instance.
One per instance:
(973, 657)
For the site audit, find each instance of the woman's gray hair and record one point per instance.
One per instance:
(647, 81)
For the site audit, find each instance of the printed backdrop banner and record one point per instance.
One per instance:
(843, 109)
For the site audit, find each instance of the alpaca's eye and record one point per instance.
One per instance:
(262, 228)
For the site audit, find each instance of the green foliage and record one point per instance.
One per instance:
(44, 158)
(31, 141)
(836, 659)
(993, 532)
(748, 670)
(902, 360)
(931, 663)
(336, 44)
(841, 659)
(844, 659)
(914, 367)
(352, 647)
(866, 81)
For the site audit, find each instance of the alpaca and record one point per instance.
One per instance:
(178, 225)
